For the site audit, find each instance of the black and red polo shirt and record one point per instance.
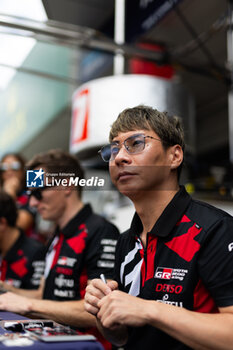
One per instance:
(82, 250)
(187, 262)
(23, 265)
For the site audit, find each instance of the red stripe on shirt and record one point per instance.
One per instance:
(151, 250)
(203, 302)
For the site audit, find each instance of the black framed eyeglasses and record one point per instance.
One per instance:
(133, 144)
(36, 193)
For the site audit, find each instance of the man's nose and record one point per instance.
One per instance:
(122, 155)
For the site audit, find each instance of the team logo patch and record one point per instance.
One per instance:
(167, 273)
(163, 273)
(66, 261)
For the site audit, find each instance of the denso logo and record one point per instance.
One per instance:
(163, 273)
(168, 288)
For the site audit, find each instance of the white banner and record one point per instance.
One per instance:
(97, 104)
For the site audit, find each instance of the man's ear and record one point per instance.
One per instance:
(177, 156)
(67, 189)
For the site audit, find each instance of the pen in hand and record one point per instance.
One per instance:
(102, 277)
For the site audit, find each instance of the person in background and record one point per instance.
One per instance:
(22, 258)
(173, 285)
(82, 247)
(13, 181)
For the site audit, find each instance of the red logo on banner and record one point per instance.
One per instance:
(80, 115)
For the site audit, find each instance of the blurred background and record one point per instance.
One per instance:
(68, 67)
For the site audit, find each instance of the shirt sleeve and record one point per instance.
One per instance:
(216, 261)
(100, 255)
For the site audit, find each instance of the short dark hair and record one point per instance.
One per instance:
(58, 161)
(169, 128)
(8, 209)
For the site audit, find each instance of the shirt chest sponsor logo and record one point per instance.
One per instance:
(64, 271)
(165, 300)
(61, 281)
(108, 253)
(64, 293)
(168, 288)
(66, 261)
(167, 273)
(39, 265)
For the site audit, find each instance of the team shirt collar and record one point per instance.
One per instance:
(169, 217)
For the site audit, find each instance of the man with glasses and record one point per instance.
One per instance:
(76, 253)
(173, 285)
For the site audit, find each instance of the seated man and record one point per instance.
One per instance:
(13, 181)
(76, 253)
(174, 265)
(22, 258)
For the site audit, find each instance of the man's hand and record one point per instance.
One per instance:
(95, 291)
(4, 286)
(119, 308)
(15, 303)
